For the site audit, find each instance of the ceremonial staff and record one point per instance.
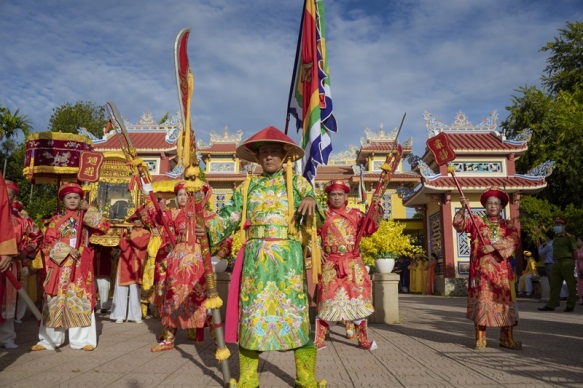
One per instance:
(137, 164)
(388, 168)
(443, 154)
(194, 187)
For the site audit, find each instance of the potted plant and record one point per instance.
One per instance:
(385, 245)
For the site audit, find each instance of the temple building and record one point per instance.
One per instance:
(484, 158)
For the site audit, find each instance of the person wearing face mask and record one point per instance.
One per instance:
(491, 302)
(69, 292)
(564, 254)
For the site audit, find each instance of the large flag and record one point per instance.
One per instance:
(310, 99)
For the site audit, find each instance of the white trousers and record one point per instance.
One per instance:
(51, 338)
(103, 286)
(125, 305)
(7, 333)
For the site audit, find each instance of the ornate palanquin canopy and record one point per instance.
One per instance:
(53, 157)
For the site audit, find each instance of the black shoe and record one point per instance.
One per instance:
(103, 311)
(546, 308)
(568, 310)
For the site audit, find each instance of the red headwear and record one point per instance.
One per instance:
(137, 215)
(248, 149)
(18, 206)
(68, 188)
(494, 192)
(559, 220)
(12, 186)
(179, 186)
(337, 185)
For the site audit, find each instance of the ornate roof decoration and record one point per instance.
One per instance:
(221, 139)
(539, 172)
(83, 131)
(344, 158)
(461, 123)
(176, 172)
(521, 137)
(426, 171)
(381, 136)
(413, 160)
(408, 144)
(226, 137)
(404, 192)
(147, 119)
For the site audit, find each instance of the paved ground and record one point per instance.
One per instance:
(431, 347)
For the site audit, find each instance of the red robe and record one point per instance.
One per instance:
(69, 284)
(490, 301)
(8, 247)
(133, 256)
(344, 289)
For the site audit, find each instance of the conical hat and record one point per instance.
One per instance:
(248, 149)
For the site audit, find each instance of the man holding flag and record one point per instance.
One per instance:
(310, 100)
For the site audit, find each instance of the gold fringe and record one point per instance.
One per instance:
(316, 252)
(246, 185)
(222, 354)
(290, 197)
(213, 302)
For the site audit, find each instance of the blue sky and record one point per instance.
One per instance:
(385, 57)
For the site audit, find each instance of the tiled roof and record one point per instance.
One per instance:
(482, 142)
(469, 184)
(477, 184)
(219, 148)
(142, 141)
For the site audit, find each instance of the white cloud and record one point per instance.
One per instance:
(386, 58)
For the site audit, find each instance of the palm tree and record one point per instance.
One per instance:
(10, 123)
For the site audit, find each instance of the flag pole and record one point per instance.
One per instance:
(293, 81)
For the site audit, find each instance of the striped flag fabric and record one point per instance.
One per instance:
(311, 100)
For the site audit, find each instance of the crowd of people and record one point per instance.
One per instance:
(160, 266)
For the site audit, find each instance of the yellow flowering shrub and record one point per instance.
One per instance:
(388, 241)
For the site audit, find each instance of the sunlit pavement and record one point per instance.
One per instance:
(431, 347)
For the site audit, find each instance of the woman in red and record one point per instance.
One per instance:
(490, 300)
(69, 291)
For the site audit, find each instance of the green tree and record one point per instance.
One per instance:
(564, 70)
(555, 116)
(68, 118)
(11, 123)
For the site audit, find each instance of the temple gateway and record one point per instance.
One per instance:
(484, 158)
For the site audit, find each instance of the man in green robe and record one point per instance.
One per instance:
(268, 300)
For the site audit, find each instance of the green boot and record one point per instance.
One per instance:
(248, 364)
(305, 358)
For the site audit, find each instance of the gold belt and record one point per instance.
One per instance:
(267, 231)
(339, 249)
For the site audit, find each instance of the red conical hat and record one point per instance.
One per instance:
(248, 150)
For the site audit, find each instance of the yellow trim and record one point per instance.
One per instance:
(59, 136)
(51, 170)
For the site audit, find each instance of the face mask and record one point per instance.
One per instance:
(557, 229)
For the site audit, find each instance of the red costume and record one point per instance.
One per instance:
(344, 289)
(133, 256)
